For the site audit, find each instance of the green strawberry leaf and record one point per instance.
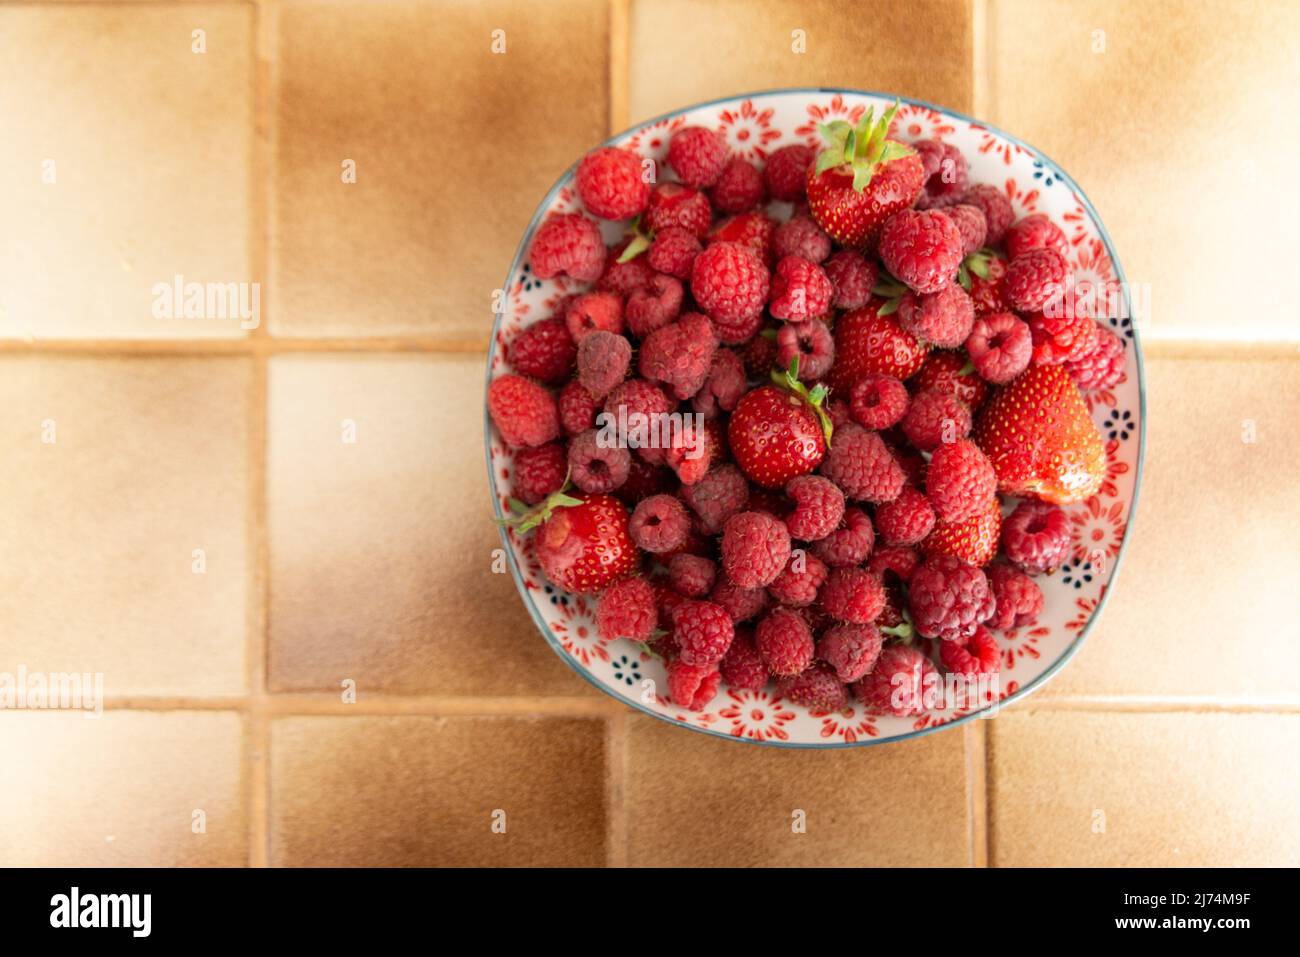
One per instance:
(963, 277)
(639, 244)
(889, 308)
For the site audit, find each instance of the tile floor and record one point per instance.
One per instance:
(242, 525)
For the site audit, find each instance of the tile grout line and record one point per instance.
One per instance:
(259, 762)
(620, 77)
(977, 792)
(616, 830)
(980, 58)
(991, 796)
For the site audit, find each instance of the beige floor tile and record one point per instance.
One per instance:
(1207, 594)
(126, 789)
(687, 51)
(454, 146)
(699, 801)
(382, 549)
(1179, 132)
(123, 503)
(126, 163)
(437, 792)
(1121, 790)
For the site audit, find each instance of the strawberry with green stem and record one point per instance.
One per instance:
(862, 178)
(583, 544)
(780, 431)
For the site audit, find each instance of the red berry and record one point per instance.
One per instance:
(977, 654)
(995, 206)
(1036, 279)
(936, 418)
(1037, 537)
(809, 342)
(1000, 347)
(583, 548)
(1058, 339)
(853, 277)
(853, 595)
(755, 549)
(654, 305)
(724, 387)
(786, 172)
(899, 683)
(817, 688)
(577, 408)
(544, 351)
(692, 686)
(974, 540)
(960, 481)
(1103, 366)
(850, 544)
(672, 204)
(775, 435)
(798, 584)
(946, 174)
(970, 221)
(523, 411)
(692, 576)
(862, 465)
(1035, 231)
(595, 467)
(785, 642)
(799, 290)
(867, 342)
(611, 184)
(594, 311)
(660, 524)
(730, 283)
(943, 319)
(674, 250)
(801, 237)
(703, 630)
(752, 230)
(603, 359)
(740, 187)
(680, 354)
(539, 471)
(568, 243)
(742, 666)
(948, 598)
(907, 519)
(949, 371)
(697, 155)
(818, 507)
(719, 495)
(922, 249)
(742, 604)
(851, 650)
(1018, 600)
(627, 610)
(878, 401)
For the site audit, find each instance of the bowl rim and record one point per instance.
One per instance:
(984, 713)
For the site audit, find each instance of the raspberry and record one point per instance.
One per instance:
(786, 172)
(922, 249)
(692, 687)
(1058, 339)
(936, 418)
(623, 278)
(627, 610)
(849, 545)
(977, 654)
(659, 524)
(986, 292)
(523, 411)
(672, 204)
(1000, 346)
(818, 507)
(1037, 537)
(1035, 232)
(755, 548)
(899, 682)
(799, 290)
(948, 598)
(899, 560)
(610, 183)
(906, 520)
(654, 305)
(949, 372)
(943, 318)
(959, 481)
(809, 342)
(724, 386)
(740, 187)
(719, 495)
(596, 469)
(797, 585)
(946, 174)
(742, 604)
(703, 630)
(730, 283)
(1035, 279)
(568, 243)
(818, 689)
(680, 354)
(861, 464)
(577, 408)
(801, 237)
(852, 277)
(673, 251)
(643, 481)
(632, 404)
(539, 471)
(688, 452)
(1103, 366)
(1018, 600)
(878, 401)
(851, 650)
(697, 155)
(752, 230)
(995, 206)
(970, 221)
(785, 642)
(692, 576)
(853, 595)
(603, 358)
(544, 351)
(594, 311)
(742, 666)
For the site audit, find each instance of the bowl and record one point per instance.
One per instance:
(755, 124)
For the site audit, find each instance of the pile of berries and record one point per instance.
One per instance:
(875, 360)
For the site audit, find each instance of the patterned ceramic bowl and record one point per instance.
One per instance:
(754, 125)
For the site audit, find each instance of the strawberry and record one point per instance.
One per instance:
(583, 543)
(974, 541)
(862, 178)
(1040, 438)
(780, 431)
(871, 339)
(952, 372)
